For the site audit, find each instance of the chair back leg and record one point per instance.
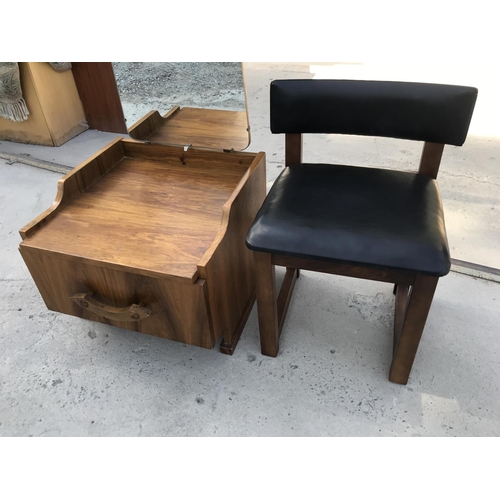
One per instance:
(409, 324)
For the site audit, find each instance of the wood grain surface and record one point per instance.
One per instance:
(265, 275)
(227, 264)
(76, 182)
(132, 312)
(293, 149)
(355, 271)
(178, 310)
(418, 304)
(154, 227)
(99, 94)
(431, 159)
(211, 128)
(149, 124)
(157, 218)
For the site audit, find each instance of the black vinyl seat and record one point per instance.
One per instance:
(365, 222)
(358, 215)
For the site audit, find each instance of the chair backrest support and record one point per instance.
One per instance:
(434, 113)
(293, 149)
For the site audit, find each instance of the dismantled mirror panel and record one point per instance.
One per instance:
(185, 103)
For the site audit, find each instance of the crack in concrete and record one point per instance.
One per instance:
(42, 335)
(34, 343)
(49, 430)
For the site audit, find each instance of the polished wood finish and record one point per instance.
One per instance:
(178, 310)
(149, 124)
(285, 295)
(156, 226)
(293, 149)
(210, 128)
(134, 312)
(401, 293)
(212, 160)
(147, 216)
(265, 288)
(99, 94)
(417, 308)
(355, 271)
(228, 346)
(414, 295)
(227, 264)
(76, 182)
(431, 159)
(271, 310)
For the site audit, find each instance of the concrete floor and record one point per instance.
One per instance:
(63, 376)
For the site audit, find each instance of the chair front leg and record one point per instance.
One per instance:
(409, 328)
(265, 289)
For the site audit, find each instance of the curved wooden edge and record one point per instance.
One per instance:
(226, 211)
(227, 264)
(76, 182)
(142, 129)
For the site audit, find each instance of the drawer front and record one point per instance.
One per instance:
(161, 307)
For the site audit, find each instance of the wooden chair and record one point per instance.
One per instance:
(372, 223)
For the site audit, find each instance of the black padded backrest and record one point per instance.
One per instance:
(415, 111)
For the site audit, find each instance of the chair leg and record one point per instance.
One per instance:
(285, 295)
(265, 289)
(402, 294)
(409, 329)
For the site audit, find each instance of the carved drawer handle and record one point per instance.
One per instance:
(134, 312)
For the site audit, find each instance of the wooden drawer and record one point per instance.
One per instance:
(155, 236)
(173, 309)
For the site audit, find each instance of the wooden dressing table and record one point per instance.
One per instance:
(151, 237)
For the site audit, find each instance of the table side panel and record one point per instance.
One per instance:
(229, 269)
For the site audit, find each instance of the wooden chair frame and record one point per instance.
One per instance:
(413, 292)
